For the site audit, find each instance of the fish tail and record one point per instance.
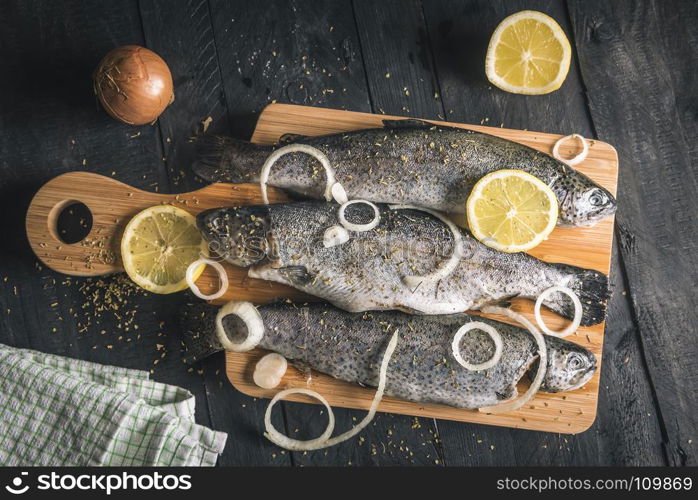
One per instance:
(198, 332)
(592, 289)
(225, 159)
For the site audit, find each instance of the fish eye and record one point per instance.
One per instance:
(575, 361)
(597, 198)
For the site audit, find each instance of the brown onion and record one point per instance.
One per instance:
(133, 84)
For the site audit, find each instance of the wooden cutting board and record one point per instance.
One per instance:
(113, 203)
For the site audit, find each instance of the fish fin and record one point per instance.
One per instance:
(592, 289)
(407, 123)
(199, 341)
(289, 138)
(296, 275)
(225, 159)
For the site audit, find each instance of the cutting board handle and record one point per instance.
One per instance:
(95, 254)
(112, 204)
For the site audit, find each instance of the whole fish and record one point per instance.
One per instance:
(284, 243)
(350, 346)
(408, 161)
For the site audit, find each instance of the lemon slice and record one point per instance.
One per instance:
(511, 210)
(158, 245)
(528, 54)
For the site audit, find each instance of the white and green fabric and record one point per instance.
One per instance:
(57, 411)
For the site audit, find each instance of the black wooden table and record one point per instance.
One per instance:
(632, 83)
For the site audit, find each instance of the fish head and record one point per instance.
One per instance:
(570, 366)
(238, 235)
(582, 201)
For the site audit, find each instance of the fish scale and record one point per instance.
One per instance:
(367, 272)
(408, 161)
(350, 347)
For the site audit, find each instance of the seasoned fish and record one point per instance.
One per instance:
(408, 161)
(350, 346)
(284, 243)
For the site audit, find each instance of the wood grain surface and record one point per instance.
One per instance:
(112, 204)
(644, 104)
(631, 83)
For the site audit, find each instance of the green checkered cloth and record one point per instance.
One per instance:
(57, 411)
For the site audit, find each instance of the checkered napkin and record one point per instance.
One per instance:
(57, 411)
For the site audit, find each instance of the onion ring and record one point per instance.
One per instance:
(450, 265)
(222, 275)
(542, 362)
(494, 335)
(288, 443)
(577, 159)
(576, 321)
(339, 194)
(324, 441)
(292, 148)
(249, 314)
(335, 235)
(359, 228)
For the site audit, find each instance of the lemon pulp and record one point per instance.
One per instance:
(528, 54)
(511, 210)
(158, 246)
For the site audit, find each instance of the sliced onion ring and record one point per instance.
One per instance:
(335, 235)
(450, 265)
(222, 276)
(284, 441)
(324, 441)
(292, 148)
(338, 193)
(542, 362)
(249, 314)
(359, 228)
(577, 159)
(576, 321)
(488, 329)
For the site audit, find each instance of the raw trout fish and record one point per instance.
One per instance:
(408, 161)
(284, 243)
(350, 347)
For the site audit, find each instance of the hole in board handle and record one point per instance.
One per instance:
(70, 221)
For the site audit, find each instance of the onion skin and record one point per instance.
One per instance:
(133, 84)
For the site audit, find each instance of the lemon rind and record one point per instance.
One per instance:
(476, 194)
(126, 256)
(559, 34)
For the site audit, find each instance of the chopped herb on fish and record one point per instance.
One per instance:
(368, 271)
(421, 369)
(431, 166)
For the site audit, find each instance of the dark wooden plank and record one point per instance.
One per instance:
(397, 58)
(306, 53)
(627, 426)
(460, 32)
(50, 123)
(639, 65)
(182, 33)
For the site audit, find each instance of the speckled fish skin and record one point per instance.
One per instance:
(408, 161)
(283, 243)
(350, 347)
